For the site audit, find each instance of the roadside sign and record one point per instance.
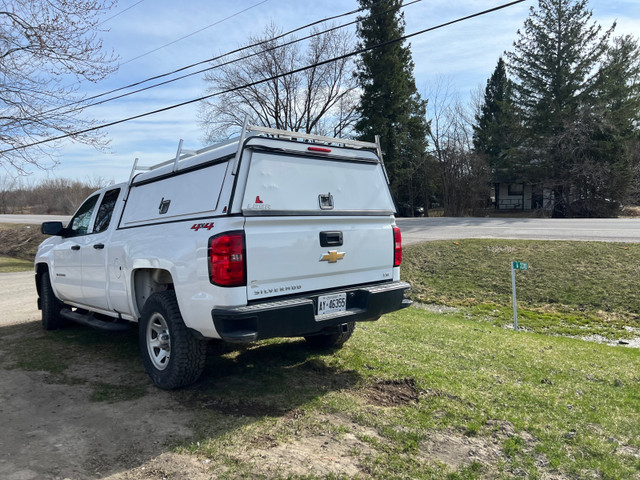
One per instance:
(516, 266)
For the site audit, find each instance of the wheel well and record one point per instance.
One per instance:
(147, 281)
(41, 269)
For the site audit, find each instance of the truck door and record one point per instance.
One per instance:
(95, 272)
(67, 255)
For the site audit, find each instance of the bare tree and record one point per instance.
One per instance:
(321, 99)
(46, 49)
(464, 175)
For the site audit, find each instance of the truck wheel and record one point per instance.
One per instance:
(51, 306)
(171, 355)
(333, 339)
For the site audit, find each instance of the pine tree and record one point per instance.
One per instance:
(496, 125)
(554, 60)
(390, 105)
(570, 142)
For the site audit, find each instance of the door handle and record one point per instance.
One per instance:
(99, 246)
(330, 239)
(75, 247)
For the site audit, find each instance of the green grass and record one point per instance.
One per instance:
(8, 265)
(571, 288)
(415, 386)
(549, 405)
(541, 406)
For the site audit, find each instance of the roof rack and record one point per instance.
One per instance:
(181, 154)
(247, 130)
(315, 139)
(311, 137)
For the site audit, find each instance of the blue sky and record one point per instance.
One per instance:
(465, 54)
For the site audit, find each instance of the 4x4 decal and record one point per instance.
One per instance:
(198, 226)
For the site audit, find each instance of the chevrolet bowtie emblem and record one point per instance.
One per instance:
(332, 257)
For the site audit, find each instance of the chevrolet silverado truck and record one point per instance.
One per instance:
(272, 234)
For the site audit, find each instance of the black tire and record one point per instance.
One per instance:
(51, 306)
(172, 356)
(332, 340)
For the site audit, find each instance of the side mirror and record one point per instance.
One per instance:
(51, 228)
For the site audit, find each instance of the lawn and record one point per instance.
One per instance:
(582, 289)
(414, 395)
(418, 394)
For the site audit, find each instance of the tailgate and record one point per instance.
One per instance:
(290, 255)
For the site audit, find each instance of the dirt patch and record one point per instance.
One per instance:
(169, 466)
(18, 298)
(320, 455)
(628, 450)
(392, 393)
(52, 431)
(241, 408)
(456, 450)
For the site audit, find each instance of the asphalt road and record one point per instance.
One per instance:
(415, 230)
(34, 219)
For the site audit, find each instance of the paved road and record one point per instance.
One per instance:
(415, 230)
(34, 219)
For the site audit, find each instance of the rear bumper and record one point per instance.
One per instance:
(296, 317)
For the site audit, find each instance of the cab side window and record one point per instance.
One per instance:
(105, 210)
(79, 224)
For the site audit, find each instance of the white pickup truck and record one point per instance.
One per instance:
(273, 234)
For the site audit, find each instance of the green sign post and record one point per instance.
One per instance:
(516, 266)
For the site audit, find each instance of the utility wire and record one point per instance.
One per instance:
(274, 77)
(197, 72)
(208, 60)
(119, 13)
(194, 33)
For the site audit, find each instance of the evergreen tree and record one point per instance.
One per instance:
(390, 105)
(495, 127)
(556, 61)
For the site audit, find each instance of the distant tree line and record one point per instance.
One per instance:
(56, 196)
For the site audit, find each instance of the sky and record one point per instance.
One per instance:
(152, 37)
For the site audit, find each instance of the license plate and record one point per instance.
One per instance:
(332, 303)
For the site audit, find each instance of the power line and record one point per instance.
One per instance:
(208, 60)
(274, 77)
(119, 13)
(193, 33)
(197, 72)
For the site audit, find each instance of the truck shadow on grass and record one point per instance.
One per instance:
(81, 399)
(270, 379)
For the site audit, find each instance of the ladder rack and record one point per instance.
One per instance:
(181, 155)
(254, 130)
(311, 137)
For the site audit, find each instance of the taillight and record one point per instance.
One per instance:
(397, 247)
(227, 266)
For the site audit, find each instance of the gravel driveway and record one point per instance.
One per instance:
(18, 298)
